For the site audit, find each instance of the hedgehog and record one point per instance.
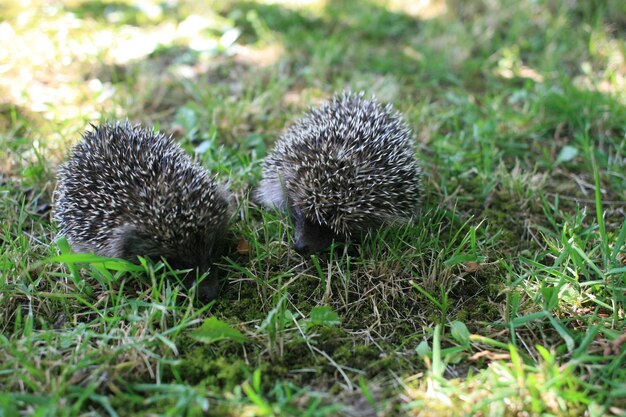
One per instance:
(128, 191)
(345, 168)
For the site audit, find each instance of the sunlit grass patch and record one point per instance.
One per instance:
(504, 389)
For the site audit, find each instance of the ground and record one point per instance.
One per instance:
(505, 298)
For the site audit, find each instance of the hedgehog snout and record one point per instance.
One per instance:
(207, 289)
(310, 237)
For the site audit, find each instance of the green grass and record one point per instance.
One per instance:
(505, 298)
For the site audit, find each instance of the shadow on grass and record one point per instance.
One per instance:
(347, 37)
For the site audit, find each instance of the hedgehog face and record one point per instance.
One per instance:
(207, 290)
(193, 253)
(310, 236)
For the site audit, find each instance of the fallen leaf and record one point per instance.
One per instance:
(243, 247)
(614, 347)
(471, 266)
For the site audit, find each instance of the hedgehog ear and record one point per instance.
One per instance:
(128, 242)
